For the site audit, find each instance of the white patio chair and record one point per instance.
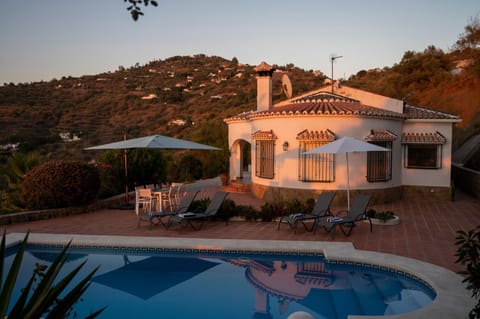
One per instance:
(143, 202)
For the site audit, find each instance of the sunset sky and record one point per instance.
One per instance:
(42, 40)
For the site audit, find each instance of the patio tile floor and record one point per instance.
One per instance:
(426, 231)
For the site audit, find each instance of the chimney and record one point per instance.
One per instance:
(264, 86)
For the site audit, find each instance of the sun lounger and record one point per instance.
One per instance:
(347, 222)
(192, 218)
(321, 209)
(186, 201)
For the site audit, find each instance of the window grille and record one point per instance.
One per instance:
(315, 167)
(265, 158)
(379, 164)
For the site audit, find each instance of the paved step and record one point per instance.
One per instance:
(236, 187)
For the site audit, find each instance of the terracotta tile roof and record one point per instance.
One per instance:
(339, 108)
(381, 135)
(307, 135)
(324, 97)
(264, 135)
(423, 138)
(416, 112)
(329, 104)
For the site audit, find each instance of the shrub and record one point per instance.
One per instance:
(270, 211)
(250, 213)
(468, 255)
(200, 204)
(56, 183)
(191, 168)
(228, 210)
(383, 215)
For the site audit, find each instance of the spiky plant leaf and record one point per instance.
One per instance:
(7, 288)
(18, 309)
(45, 300)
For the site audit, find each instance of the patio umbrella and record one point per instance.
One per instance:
(151, 142)
(154, 141)
(347, 145)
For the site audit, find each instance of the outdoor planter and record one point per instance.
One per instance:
(387, 218)
(393, 221)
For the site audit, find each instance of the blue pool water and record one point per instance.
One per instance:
(197, 284)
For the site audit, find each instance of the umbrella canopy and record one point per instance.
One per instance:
(151, 142)
(347, 145)
(154, 141)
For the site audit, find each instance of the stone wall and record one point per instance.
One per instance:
(427, 193)
(466, 179)
(20, 217)
(379, 196)
(271, 194)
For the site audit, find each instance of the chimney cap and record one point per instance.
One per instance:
(264, 67)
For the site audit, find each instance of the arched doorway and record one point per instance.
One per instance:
(240, 161)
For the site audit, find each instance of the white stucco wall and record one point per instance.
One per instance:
(372, 99)
(366, 98)
(430, 177)
(286, 163)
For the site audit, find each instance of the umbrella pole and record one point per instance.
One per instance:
(126, 175)
(348, 185)
(125, 164)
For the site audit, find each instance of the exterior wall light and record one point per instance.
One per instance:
(285, 146)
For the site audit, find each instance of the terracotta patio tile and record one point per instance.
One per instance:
(426, 231)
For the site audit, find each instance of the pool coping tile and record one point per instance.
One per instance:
(453, 299)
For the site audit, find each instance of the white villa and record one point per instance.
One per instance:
(277, 136)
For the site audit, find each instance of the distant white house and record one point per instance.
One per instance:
(68, 137)
(10, 147)
(177, 122)
(277, 136)
(151, 96)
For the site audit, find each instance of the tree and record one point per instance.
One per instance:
(18, 165)
(135, 7)
(471, 37)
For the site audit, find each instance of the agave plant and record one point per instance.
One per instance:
(43, 300)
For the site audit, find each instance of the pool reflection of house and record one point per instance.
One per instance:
(278, 135)
(331, 291)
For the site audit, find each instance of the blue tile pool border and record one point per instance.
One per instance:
(453, 300)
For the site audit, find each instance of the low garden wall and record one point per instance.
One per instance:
(13, 218)
(379, 196)
(466, 179)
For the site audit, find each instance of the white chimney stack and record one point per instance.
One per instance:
(264, 86)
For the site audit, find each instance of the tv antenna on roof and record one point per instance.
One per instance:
(333, 57)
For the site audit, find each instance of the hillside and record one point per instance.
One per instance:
(447, 82)
(189, 96)
(197, 92)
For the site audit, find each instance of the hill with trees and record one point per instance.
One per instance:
(448, 82)
(189, 96)
(184, 96)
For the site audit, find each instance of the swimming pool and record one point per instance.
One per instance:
(269, 285)
(197, 284)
